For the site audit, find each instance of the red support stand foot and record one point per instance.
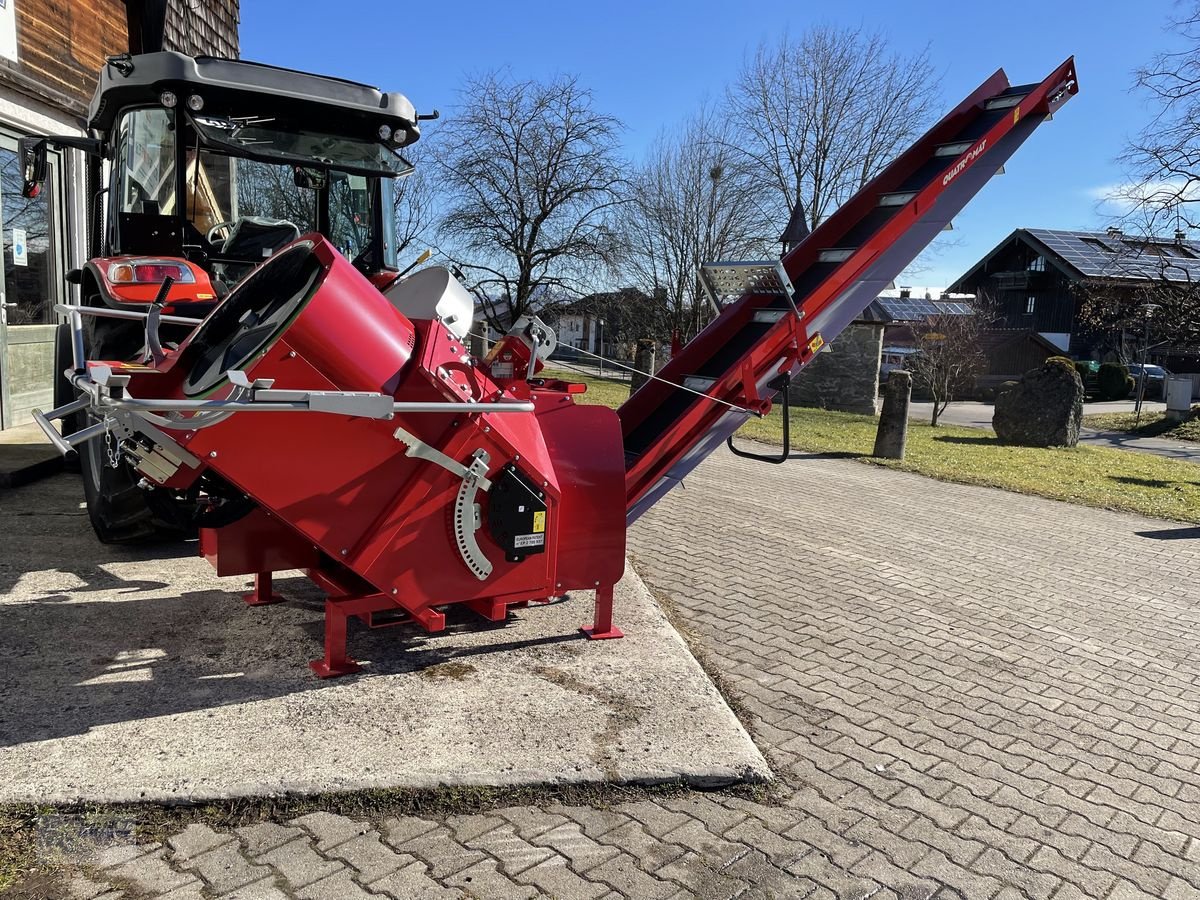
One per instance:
(602, 628)
(262, 595)
(335, 662)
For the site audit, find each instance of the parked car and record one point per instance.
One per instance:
(894, 358)
(1156, 380)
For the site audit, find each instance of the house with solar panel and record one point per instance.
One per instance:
(847, 374)
(1038, 279)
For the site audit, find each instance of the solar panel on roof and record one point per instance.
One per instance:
(909, 309)
(1110, 256)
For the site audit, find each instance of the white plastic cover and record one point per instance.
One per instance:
(434, 293)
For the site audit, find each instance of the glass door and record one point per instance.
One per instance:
(32, 284)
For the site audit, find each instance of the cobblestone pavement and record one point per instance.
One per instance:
(966, 693)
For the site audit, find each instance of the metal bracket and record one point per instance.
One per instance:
(782, 383)
(365, 404)
(420, 450)
(154, 350)
(467, 519)
(736, 279)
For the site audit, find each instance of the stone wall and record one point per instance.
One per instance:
(845, 377)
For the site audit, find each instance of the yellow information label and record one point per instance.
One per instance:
(539, 522)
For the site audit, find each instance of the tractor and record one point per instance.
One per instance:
(214, 165)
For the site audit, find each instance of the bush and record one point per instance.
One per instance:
(1061, 361)
(1113, 382)
(1083, 370)
(1006, 386)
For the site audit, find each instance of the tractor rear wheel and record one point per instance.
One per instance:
(120, 511)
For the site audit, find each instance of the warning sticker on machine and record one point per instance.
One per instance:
(529, 540)
(539, 521)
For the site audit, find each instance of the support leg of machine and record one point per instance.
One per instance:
(262, 595)
(335, 662)
(602, 627)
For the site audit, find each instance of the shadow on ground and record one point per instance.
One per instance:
(958, 439)
(1190, 532)
(73, 663)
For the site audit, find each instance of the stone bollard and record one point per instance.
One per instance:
(893, 421)
(643, 361)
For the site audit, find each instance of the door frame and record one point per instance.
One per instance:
(56, 212)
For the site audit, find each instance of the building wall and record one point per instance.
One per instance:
(1009, 281)
(204, 27)
(845, 377)
(60, 47)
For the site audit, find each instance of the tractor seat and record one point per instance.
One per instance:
(255, 237)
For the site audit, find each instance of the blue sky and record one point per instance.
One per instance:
(650, 64)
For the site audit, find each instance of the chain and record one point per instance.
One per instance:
(111, 448)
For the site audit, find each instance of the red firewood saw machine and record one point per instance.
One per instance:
(326, 414)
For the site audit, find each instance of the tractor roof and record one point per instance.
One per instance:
(248, 88)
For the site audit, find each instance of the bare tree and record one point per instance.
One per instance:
(413, 203)
(1147, 296)
(949, 356)
(1165, 158)
(820, 117)
(694, 200)
(533, 181)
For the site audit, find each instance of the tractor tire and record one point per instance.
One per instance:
(64, 393)
(119, 510)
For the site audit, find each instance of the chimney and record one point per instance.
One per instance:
(905, 292)
(1114, 232)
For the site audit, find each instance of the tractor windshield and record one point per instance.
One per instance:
(263, 139)
(240, 207)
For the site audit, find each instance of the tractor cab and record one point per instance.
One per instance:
(216, 164)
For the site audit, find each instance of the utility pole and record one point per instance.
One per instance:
(600, 343)
(1147, 309)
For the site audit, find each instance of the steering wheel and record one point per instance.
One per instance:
(212, 231)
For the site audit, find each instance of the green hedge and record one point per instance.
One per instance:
(1113, 382)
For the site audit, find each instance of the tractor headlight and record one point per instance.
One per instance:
(385, 132)
(168, 99)
(195, 102)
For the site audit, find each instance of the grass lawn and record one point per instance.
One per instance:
(1153, 424)
(1092, 476)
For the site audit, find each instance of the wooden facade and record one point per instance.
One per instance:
(203, 27)
(61, 44)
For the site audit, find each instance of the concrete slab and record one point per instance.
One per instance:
(26, 456)
(137, 674)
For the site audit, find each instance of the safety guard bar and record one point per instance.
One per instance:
(104, 392)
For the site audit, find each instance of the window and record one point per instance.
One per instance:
(1037, 264)
(1097, 244)
(147, 162)
(1030, 304)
